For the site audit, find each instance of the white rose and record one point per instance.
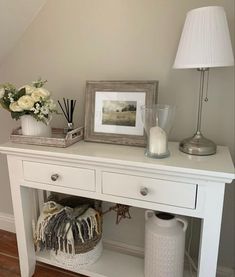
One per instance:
(28, 89)
(37, 96)
(43, 92)
(2, 91)
(14, 106)
(26, 102)
(40, 94)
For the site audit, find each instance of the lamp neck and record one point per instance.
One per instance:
(201, 92)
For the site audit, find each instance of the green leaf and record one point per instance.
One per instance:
(17, 115)
(4, 105)
(19, 94)
(39, 83)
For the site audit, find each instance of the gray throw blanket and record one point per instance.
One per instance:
(60, 228)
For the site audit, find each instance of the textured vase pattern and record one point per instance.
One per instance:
(31, 127)
(164, 248)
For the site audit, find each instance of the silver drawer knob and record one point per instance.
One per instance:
(144, 191)
(54, 177)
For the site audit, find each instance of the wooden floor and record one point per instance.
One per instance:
(9, 261)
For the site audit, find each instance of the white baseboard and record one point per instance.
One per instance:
(123, 248)
(7, 222)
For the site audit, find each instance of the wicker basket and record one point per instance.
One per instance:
(72, 233)
(78, 261)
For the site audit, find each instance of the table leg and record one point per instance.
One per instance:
(22, 205)
(210, 232)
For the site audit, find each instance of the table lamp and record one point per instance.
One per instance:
(205, 42)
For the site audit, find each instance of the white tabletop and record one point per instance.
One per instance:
(218, 165)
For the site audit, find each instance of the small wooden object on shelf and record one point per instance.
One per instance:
(58, 138)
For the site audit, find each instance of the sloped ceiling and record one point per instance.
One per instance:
(15, 17)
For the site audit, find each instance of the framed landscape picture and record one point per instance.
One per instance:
(113, 112)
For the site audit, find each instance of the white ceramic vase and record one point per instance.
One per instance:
(164, 245)
(31, 127)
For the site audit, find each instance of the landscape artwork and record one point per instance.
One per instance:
(119, 113)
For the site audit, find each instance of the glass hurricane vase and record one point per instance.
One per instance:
(157, 120)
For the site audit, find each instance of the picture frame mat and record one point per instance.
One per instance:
(123, 96)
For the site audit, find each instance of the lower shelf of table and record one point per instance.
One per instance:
(110, 264)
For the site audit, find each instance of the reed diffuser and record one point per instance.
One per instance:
(68, 107)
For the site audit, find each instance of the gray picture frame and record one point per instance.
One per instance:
(149, 88)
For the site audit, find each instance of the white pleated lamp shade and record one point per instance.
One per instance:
(205, 41)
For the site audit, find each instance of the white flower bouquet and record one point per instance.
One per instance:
(31, 100)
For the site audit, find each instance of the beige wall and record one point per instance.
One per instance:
(16, 16)
(78, 40)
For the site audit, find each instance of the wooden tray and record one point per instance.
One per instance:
(58, 138)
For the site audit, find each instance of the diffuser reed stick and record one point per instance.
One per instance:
(68, 107)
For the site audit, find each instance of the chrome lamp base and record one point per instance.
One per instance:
(198, 145)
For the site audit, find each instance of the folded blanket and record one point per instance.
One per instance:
(61, 228)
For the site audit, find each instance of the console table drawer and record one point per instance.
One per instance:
(73, 177)
(150, 189)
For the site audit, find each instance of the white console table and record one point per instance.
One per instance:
(180, 184)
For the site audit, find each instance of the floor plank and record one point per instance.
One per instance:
(9, 261)
(9, 266)
(8, 243)
(49, 271)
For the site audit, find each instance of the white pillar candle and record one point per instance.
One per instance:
(157, 141)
